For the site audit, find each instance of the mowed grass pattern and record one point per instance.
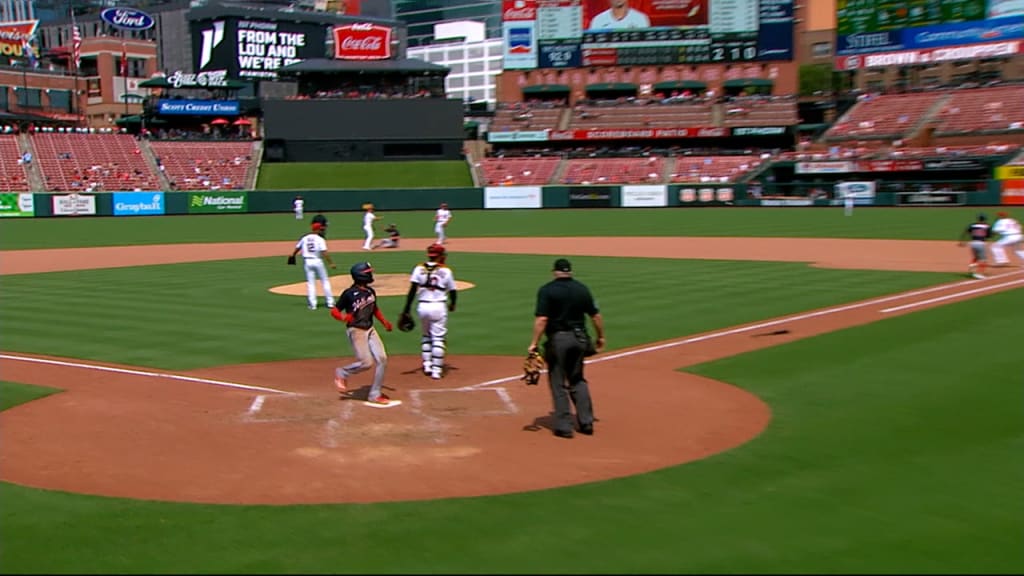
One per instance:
(364, 175)
(905, 464)
(882, 223)
(182, 316)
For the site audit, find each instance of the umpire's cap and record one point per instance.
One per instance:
(562, 265)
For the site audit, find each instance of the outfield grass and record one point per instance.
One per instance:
(892, 450)
(897, 223)
(364, 175)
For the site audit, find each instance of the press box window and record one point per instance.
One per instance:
(821, 49)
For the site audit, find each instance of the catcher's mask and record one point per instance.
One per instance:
(436, 252)
(362, 273)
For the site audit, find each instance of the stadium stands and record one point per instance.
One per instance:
(98, 162)
(884, 116)
(761, 112)
(613, 171)
(517, 171)
(204, 165)
(526, 117)
(713, 168)
(628, 115)
(12, 172)
(999, 109)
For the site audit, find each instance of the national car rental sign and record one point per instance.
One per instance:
(365, 41)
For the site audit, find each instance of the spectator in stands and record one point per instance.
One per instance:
(619, 16)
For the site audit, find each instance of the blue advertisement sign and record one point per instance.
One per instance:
(127, 18)
(198, 107)
(960, 33)
(138, 203)
(775, 30)
(868, 42)
(560, 54)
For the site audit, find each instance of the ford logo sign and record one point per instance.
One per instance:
(127, 18)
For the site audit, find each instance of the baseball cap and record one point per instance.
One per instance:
(562, 265)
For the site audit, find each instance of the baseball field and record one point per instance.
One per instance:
(785, 391)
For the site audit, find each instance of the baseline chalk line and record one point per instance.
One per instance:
(146, 373)
(952, 296)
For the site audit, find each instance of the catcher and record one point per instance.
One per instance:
(432, 283)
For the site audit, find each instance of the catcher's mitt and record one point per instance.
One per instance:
(291, 260)
(405, 322)
(532, 366)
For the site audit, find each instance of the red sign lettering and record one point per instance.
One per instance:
(362, 42)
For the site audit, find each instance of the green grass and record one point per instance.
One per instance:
(181, 316)
(894, 448)
(896, 223)
(13, 394)
(364, 175)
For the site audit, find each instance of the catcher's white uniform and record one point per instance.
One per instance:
(312, 247)
(1010, 234)
(435, 281)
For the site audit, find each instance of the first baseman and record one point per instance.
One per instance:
(432, 283)
(1010, 234)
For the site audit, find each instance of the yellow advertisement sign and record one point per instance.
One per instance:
(1009, 172)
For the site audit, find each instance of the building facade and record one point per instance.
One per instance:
(474, 67)
(421, 15)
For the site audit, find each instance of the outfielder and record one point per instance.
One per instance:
(441, 219)
(1010, 234)
(297, 206)
(357, 308)
(314, 252)
(433, 285)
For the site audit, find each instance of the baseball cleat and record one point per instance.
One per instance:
(341, 384)
(383, 401)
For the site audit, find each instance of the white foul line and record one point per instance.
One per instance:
(758, 326)
(951, 296)
(257, 404)
(145, 373)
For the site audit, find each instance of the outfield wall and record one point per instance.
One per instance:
(499, 197)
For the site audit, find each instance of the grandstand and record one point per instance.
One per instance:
(205, 165)
(12, 171)
(92, 162)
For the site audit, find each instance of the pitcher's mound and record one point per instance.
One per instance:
(384, 284)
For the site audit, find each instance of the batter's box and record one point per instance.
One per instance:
(454, 402)
(297, 408)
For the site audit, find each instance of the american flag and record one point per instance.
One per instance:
(76, 46)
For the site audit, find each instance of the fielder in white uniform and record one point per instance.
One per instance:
(433, 285)
(297, 206)
(441, 219)
(1010, 234)
(368, 222)
(620, 16)
(314, 252)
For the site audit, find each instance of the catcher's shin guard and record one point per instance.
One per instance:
(437, 353)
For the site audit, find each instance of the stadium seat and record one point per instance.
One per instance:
(518, 171)
(889, 116)
(99, 162)
(12, 173)
(205, 165)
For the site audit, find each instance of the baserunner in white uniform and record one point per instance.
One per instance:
(369, 218)
(314, 252)
(432, 284)
(1010, 234)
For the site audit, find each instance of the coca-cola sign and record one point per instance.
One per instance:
(363, 41)
(518, 10)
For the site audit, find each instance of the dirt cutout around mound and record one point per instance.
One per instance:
(276, 433)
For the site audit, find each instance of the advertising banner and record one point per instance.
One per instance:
(254, 49)
(212, 202)
(520, 45)
(861, 192)
(138, 203)
(15, 35)
(513, 197)
(644, 196)
(786, 202)
(518, 136)
(73, 205)
(964, 33)
(1013, 192)
(559, 54)
(363, 41)
(953, 164)
(13, 204)
(824, 167)
(705, 195)
(198, 107)
(637, 133)
(759, 131)
(929, 55)
(588, 197)
(1009, 173)
(931, 198)
(889, 165)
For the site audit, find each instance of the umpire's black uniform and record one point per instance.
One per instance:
(562, 307)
